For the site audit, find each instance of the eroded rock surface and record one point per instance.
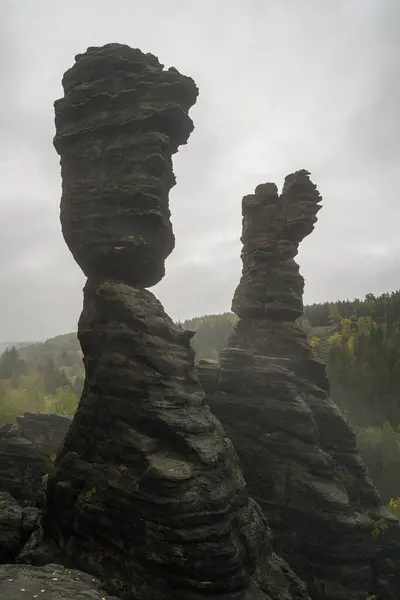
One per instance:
(16, 525)
(120, 120)
(298, 452)
(147, 491)
(51, 582)
(45, 430)
(22, 466)
(27, 452)
(208, 371)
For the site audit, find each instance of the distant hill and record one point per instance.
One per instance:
(63, 350)
(320, 321)
(18, 345)
(359, 340)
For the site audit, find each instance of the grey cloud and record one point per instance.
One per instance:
(283, 85)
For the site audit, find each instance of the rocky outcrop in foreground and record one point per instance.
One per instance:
(51, 582)
(27, 451)
(298, 452)
(45, 430)
(146, 492)
(16, 525)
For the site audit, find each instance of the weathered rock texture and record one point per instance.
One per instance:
(16, 525)
(146, 491)
(298, 452)
(27, 452)
(51, 582)
(45, 430)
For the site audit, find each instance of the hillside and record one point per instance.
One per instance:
(358, 339)
(18, 345)
(63, 350)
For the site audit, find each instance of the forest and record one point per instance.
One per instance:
(358, 339)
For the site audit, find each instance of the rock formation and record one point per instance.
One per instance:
(146, 491)
(16, 525)
(45, 430)
(51, 582)
(298, 452)
(27, 452)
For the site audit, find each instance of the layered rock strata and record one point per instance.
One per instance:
(50, 582)
(120, 120)
(16, 525)
(146, 491)
(27, 451)
(22, 465)
(298, 452)
(45, 430)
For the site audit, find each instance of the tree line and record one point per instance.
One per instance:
(359, 340)
(36, 386)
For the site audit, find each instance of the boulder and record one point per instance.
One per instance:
(27, 451)
(121, 118)
(51, 582)
(45, 430)
(16, 525)
(22, 466)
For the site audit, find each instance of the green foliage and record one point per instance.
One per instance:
(90, 493)
(358, 339)
(384, 308)
(360, 342)
(35, 387)
(394, 506)
(380, 449)
(363, 363)
(11, 365)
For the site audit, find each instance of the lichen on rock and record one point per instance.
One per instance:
(50, 582)
(27, 449)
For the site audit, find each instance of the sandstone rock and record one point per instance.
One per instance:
(147, 484)
(298, 452)
(147, 492)
(16, 525)
(120, 120)
(52, 582)
(27, 451)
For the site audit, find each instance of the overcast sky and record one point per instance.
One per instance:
(284, 85)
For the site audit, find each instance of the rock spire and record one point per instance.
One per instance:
(298, 453)
(146, 492)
